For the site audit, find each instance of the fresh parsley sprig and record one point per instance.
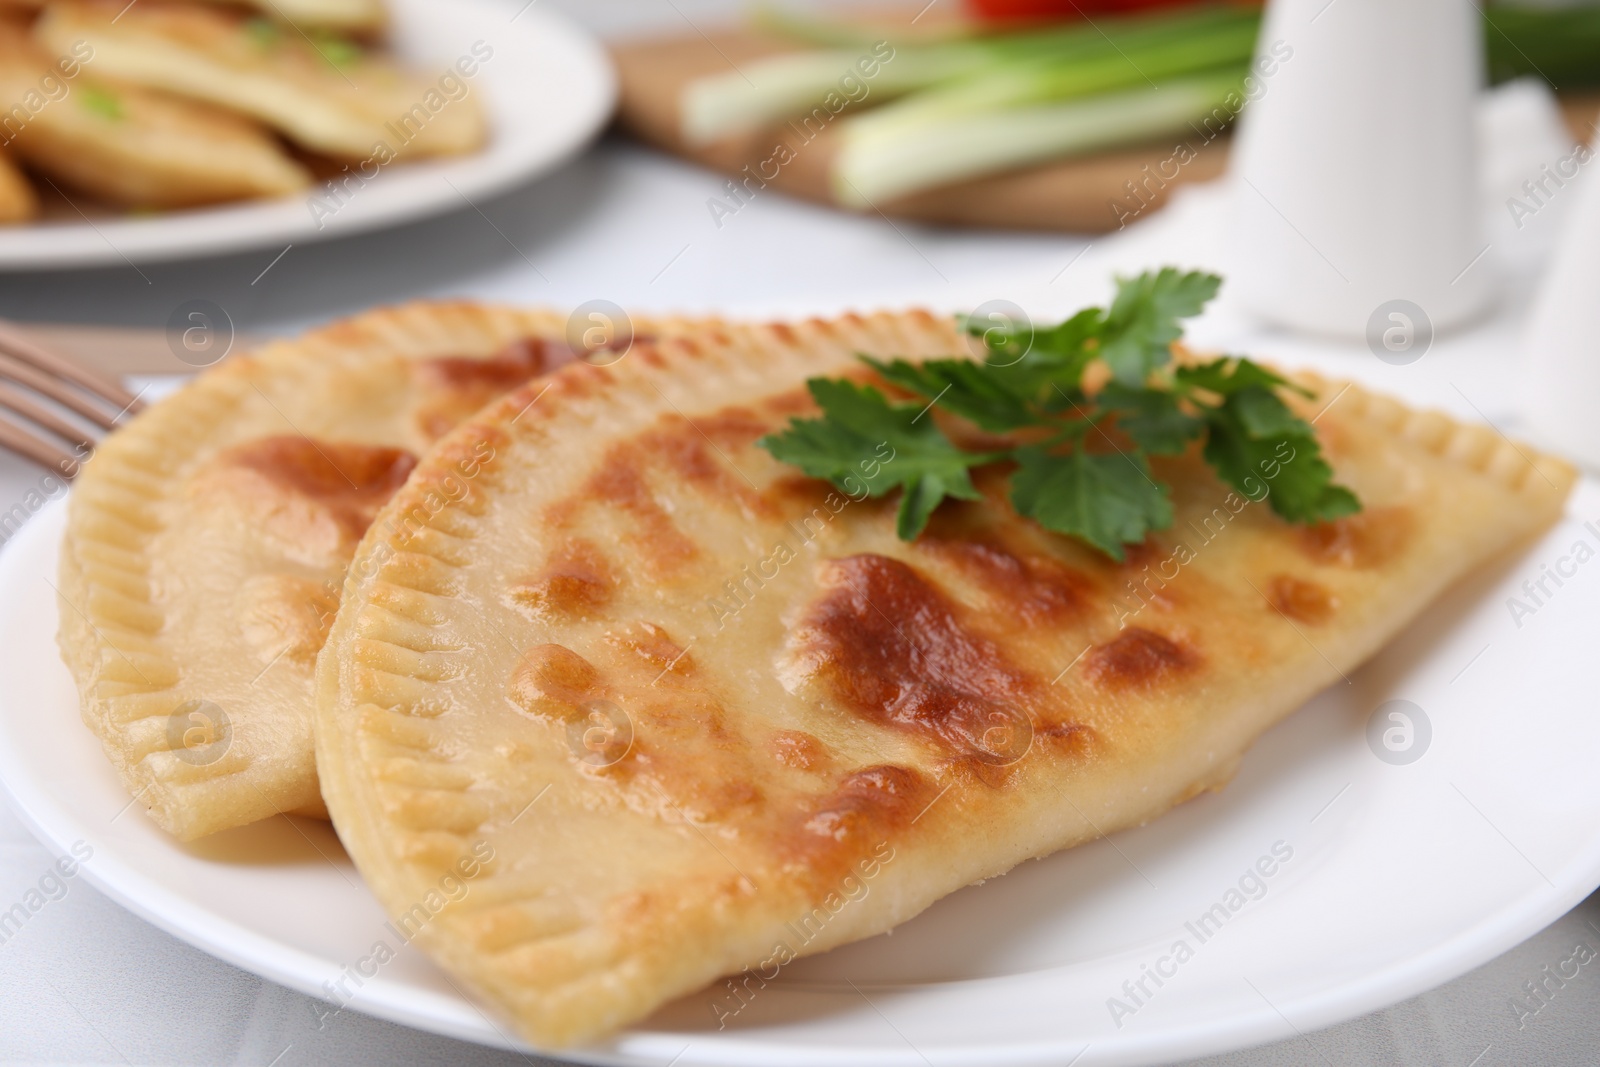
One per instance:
(1072, 475)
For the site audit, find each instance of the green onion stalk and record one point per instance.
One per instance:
(869, 170)
(768, 90)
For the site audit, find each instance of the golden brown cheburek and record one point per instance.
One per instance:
(207, 540)
(126, 145)
(326, 94)
(661, 696)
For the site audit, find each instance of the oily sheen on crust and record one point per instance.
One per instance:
(668, 700)
(207, 540)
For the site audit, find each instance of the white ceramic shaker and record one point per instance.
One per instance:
(1355, 169)
(1560, 367)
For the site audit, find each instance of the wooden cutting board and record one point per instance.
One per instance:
(1093, 194)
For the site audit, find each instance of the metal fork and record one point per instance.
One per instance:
(47, 401)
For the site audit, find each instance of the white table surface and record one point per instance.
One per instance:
(86, 982)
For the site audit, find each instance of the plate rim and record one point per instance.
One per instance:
(398, 1002)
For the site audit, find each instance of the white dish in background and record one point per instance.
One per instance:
(1401, 876)
(548, 89)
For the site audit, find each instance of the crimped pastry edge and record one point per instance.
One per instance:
(110, 621)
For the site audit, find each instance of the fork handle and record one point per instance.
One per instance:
(20, 346)
(115, 351)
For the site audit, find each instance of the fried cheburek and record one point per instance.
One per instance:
(128, 145)
(328, 95)
(207, 540)
(665, 694)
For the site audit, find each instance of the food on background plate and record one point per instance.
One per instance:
(17, 200)
(160, 106)
(363, 17)
(331, 96)
(663, 703)
(206, 543)
(133, 147)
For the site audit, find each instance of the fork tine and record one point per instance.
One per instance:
(29, 408)
(40, 451)
(55, 389)
(18, 346)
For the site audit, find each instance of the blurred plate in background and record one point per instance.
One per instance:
(548, 88)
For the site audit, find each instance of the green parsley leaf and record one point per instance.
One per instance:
(102, 102)
(263, 33)
(1258, 452)
(1264, 415)
(864, 442)
(1073, 343)
(984, 395)
(1106, 500)
(339, 52)
(1031, 358)
(1152, 417)
(1143, 321)
(1258, 445)
(1006, 342)
(1032, 379)
(1231, 374)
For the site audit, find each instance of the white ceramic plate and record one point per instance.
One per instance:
(548, 87)
(1398, 877)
